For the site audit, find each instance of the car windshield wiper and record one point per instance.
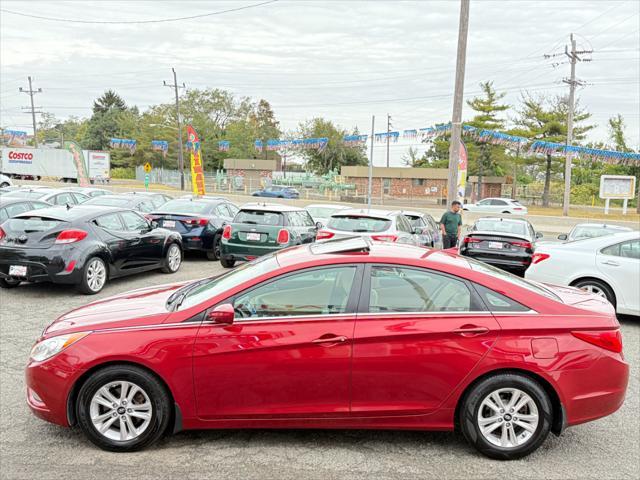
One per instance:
(176, 298)
(250, 222)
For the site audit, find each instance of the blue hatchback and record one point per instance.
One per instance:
(277, 191)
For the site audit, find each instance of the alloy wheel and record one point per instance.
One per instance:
(174, 257)
(595, 290)
(508, 417)
(121, 411)
(96, 275)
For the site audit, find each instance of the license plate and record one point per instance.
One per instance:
(169, 224)
(253, 236)
(495, 244)
(18, 270)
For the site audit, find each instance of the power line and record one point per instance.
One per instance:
(129, 22)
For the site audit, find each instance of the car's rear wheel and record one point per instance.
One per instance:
(506, 211)
(4, 184)
(601, 289)
(172, 259)
(9, 282)
(506, 416)
(227, 262)
(94, 276)
(122, 408)
(214, 253)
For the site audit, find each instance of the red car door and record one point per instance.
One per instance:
(419, 334)
(288, 352)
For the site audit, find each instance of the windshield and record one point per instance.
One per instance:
(509, 277)
(185, 206)
(238, 275)
(592, 232)
(516, 228)
(259, 217)
(109, 202)
(321, 212)
(357, 223)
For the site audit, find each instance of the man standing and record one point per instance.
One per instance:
(451, 225)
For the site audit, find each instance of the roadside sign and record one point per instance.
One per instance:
(146, 181)
(617, 186)
(147, 167)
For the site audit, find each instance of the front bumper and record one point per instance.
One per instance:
(43, 265)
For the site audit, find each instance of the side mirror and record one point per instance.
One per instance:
(539, 235)
(319, 225)
(222, 314)
(153, 224)
(562, 237)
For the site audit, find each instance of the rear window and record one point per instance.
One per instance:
(500, 226)
(185, 206)
(32, 224)
(509, 277)
(259, 217)
(109, 202)
(26, 194)
(321, 212)
(358, 223)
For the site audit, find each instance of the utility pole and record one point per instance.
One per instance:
(31, 92)
(373, 129)
(388, 131)
(572, 82)
(175, 86)
(456, 121)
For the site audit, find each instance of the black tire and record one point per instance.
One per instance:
(4, 184)
(596, 284)
(214, 253)
(166, 266)
(84, 286)
(9, 283)
(472, 402)
(227, 262)
(156, 392)
(506, 212)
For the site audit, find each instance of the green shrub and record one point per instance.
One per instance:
(123, 172)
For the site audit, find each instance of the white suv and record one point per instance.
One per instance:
(497, 205)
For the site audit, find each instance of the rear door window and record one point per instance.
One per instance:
(630, 249)
(63, 199)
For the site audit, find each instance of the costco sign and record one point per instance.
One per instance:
(20, 157)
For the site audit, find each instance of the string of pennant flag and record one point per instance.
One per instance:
(478, 134)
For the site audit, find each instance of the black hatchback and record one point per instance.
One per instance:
(83, 246)
(503, 242)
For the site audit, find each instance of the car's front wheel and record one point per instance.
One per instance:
(506, 416)
(172, 259)
(94, 276)
(123, 408)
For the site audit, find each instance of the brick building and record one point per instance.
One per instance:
(399, 182)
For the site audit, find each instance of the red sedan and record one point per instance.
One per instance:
(345, 334)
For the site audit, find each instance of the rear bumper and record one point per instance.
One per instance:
(43, 265)
(233, 251)
(200, 241)
(507, 261)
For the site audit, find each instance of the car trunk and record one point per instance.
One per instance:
(497, 242)
(251, 234)
(31, 232)
(582, 299)
(182, 223)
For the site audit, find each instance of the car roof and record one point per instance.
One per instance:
(328, 205)
(206, 200)
(77, 212)
(270, 207)
(604, 225)
(4, 201)
(413, 213)
(501, 219)
(146, 194)
(365, 212)
(118, 196)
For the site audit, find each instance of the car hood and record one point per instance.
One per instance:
(144, 306)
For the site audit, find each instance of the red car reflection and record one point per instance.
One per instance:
(344, 334)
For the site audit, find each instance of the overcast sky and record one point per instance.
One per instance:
(343, 60)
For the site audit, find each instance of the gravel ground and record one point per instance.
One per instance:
(30, 448)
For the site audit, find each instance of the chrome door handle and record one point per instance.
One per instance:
(470, 330)
(611, 263)
(330, 339)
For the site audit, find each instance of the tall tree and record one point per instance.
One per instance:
(544, 118)
(487, 108)
(336, 154)
(109, 101)
(616, 133)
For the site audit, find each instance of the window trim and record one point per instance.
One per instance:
(363, 305)
(352, 301)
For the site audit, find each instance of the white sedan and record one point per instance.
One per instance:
(5, 181)
(608, 266)
(496, 205)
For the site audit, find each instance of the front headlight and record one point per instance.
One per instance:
(54, 345)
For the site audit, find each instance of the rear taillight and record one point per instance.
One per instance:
(283, 237)
(226, 233)
(518, 208)
(608, 339)
(197, 221)
(539, 257)
(471, 240)
(322, 235)
(2, 234)
(384, 238)
(70, 236)
(522, 244)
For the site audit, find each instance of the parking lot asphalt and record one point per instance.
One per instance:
(33, 449)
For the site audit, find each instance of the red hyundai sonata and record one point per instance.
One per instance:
(344, 334)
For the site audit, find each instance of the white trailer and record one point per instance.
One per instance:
(37, 163)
